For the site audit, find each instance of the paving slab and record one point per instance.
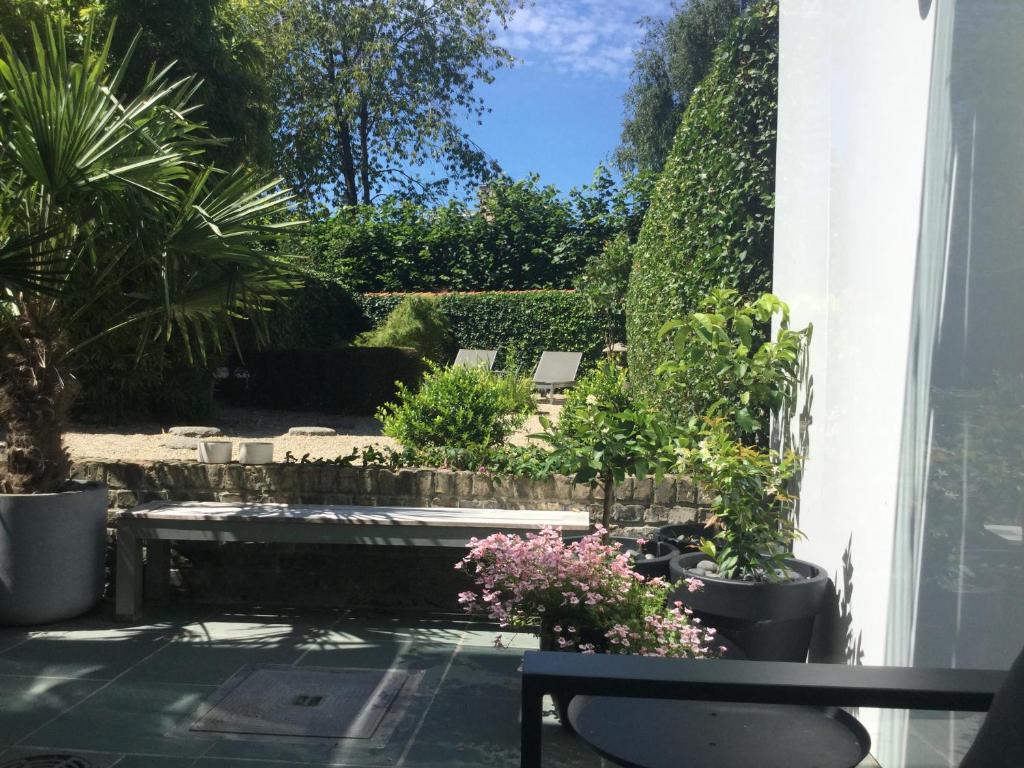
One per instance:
(28, 702)
(129, 717)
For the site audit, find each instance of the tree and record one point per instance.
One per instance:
(107, 201)
(18, 16)
(222, 44)
(371, 92)
(675, 55)
(604, 282)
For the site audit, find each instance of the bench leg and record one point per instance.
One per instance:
(128, 598)
(531, 727)
(158, 570)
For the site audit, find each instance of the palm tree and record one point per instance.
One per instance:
(107, 206)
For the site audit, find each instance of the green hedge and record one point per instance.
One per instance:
(519, 324)
(711, 222)
(350, 380)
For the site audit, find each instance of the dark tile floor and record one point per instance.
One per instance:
(120, 695)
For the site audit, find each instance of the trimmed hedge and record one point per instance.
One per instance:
(519, 324)
(351, 380)
(711, 222)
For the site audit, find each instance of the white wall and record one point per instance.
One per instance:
(899, 234)
(853, 105)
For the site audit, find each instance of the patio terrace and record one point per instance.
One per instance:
(125, 695)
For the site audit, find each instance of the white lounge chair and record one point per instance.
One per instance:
(556, 370)
(469, 358)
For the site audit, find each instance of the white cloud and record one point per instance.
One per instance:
(580, 37)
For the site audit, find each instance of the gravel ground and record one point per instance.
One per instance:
(148, 442)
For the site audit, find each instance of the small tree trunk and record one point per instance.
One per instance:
(34, 399)
(609, 502)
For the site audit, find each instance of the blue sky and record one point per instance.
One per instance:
(559, 110)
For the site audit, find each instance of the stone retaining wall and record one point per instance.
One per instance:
(638, 503)
(352, 575)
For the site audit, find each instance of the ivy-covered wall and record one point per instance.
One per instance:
(519, 324)
(711, 221)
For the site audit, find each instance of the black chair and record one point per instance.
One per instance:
(999, 743)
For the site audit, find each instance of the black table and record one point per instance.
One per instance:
(660, 733)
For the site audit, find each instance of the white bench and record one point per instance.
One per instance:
(156, 524)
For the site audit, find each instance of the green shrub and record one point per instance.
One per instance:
(320, 315)
(458, 406)
(729, 367)
(115, 386)
(519, 324)
(518, 235)
(350, 380)
(603, 433)
(711, 221)
(416, 323)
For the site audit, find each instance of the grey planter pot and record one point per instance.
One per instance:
(52, 548)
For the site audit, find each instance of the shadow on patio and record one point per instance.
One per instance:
(115, 694)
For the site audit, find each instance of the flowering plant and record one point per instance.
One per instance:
(584, 594)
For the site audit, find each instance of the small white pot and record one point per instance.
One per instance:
(214, 451)
(255, 453)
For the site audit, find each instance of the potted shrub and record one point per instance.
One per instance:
(580, 595)
(107, 212)
(602, 436)
(758, 596)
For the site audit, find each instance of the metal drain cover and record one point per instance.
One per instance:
(48, 761)
(318, 702)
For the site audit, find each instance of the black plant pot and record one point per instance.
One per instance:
(767, 621)
(685, 536)
(549, 642)
(656, 566)
(650, 567)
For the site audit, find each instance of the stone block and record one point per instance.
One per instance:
(387, 482)
(656, 514)
(624, 490)
(483, 486)
(464, 485)
(232, 477)
(123, 499)
(117, 474)
(230, 498)
(582, 492)
(665, 492)
(342, 479)
(643, 490)
(444, 483)
(563, 488)
(281, 479)
(679, 514)
(313, 431)
(627, 513)
(367, 487)
(160, 474)
(471, 504)
(705, 496)
(89, 471)
(543, 490)
(424, 484)
(195, 431)
(686, 494)
(407, 483)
